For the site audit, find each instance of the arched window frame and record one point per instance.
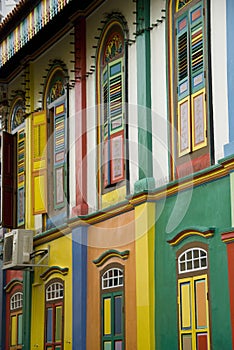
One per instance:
(50, 150)
(190, 114)
(112, 306)
(112, 113)
(54, 314)
(16, 320)
(14, 165)
(193, 259)
(16, 301)
(193, 297)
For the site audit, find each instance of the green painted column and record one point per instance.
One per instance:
(27, 292)
(146, 180)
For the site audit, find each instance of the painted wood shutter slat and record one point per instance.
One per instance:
(39, 163)
(8, 180)
(113, 128)
(60, 148)
(106, 130)
(116, 96)
(183, 57)
(116, 92)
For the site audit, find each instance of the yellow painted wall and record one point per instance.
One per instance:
(60, 255)
(145, 288)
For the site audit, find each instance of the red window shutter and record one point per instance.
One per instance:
(8, 180)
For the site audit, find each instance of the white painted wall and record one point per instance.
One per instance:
(219, 75)
(159, 94)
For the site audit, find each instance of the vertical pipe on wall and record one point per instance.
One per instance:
(27, 294)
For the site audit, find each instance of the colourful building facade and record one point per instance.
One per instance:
(116, 153)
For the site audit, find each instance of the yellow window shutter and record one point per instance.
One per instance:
(39, 163)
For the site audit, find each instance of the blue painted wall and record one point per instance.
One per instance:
(79, 292)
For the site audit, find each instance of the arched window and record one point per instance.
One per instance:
(188, 86)
(54, 298)
(13, 166)
(192, 259)
(112, 299)
(16, 301)
(50, 145)
(112, 278)
(193, 305)
(16, 321)
(112, 118)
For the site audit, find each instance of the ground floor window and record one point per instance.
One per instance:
(193, 308)
(54, 316)
(16, 321)
(112, 310)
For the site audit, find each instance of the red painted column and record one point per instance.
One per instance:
(229, 239)
(81, 207)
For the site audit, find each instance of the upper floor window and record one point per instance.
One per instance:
(191, 142)
(49, 155)
(112, 114)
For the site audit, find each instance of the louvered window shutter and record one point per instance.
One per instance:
(198, 100)
(20, 177)
(60, 156)
(113, 124)
(39, 162)
(106, 130)
(8, 180)
(116, 98)
(192, 133)
(183, 85)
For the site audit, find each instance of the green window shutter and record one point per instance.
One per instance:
(182, 44)
(116, 96)
(20, 329)
(106, 130)
(60, 154)
(197, 47)
(39, 162)
(113, 123)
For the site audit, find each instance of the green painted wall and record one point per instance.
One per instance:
(144, 90)
(205, 206)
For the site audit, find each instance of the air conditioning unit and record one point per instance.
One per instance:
(17, 248)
